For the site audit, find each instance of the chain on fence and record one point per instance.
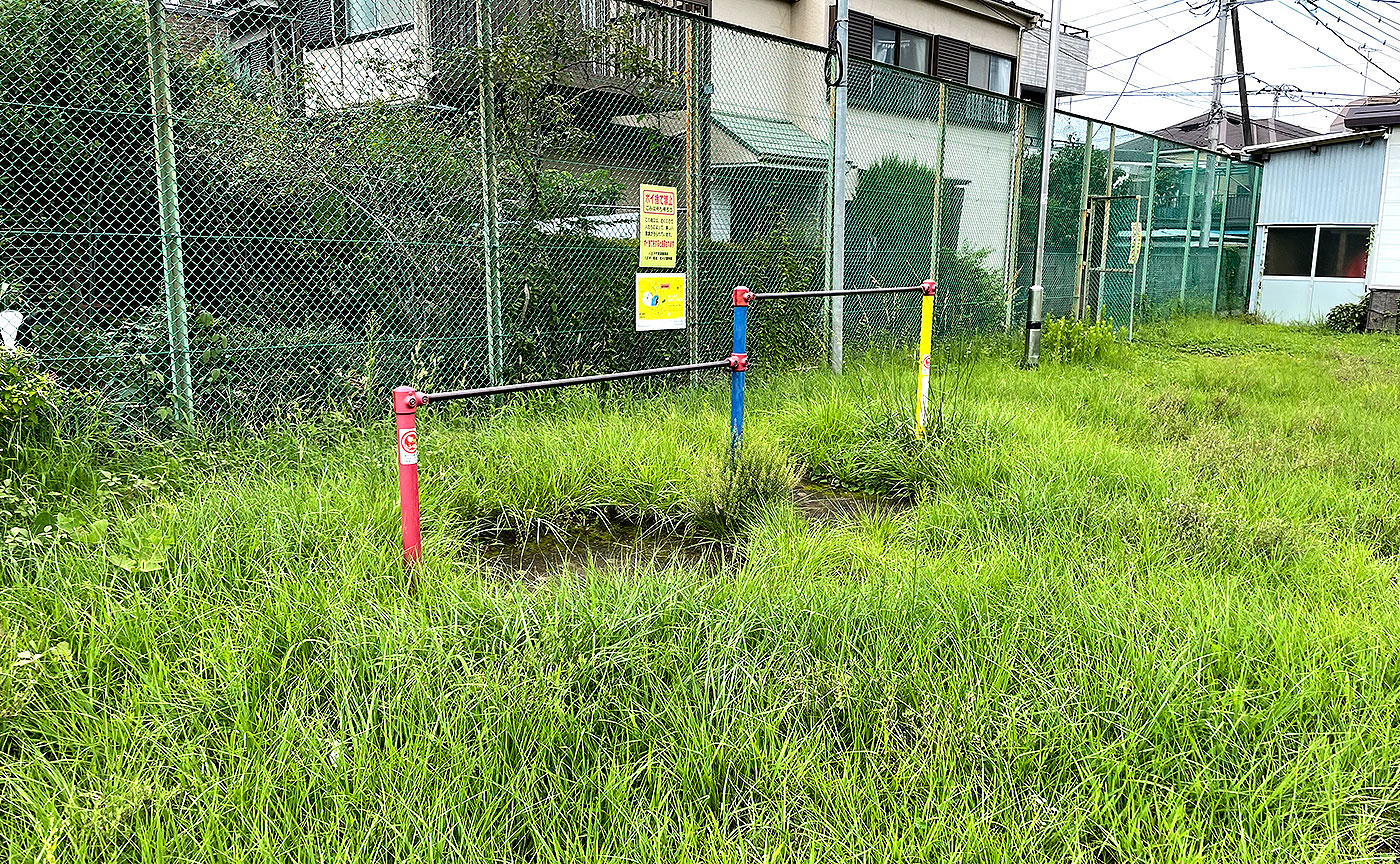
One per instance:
(234, 212)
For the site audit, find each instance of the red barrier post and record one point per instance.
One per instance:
(406, 402)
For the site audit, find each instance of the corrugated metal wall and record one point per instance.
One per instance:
(1341, 183)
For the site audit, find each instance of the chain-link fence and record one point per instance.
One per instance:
(233, 211)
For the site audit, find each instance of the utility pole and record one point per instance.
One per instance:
(1217, 110)
(1047, 140)
(1217, 119)
(1246, 126)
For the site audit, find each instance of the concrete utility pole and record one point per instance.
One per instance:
(838, 184)
(1217, 110)
(1047, 140)
(1217, 120)
(1246, 126)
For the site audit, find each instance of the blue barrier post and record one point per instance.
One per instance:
(738, 363)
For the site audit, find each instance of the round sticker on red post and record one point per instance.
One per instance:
(408, 447)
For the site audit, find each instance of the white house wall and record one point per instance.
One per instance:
(386, 68)
(1385, 245)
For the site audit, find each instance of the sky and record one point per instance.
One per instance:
(1283, 45)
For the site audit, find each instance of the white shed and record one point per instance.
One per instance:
(1329, 219)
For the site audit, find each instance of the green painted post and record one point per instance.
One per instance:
(490, 222)
(1256, 179)
(1190, 222)
(1147, 236)
(1079, 247)
(168, 182)
(1220, 239)
(1013, 230)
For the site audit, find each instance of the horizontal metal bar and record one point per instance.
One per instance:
(570, 382)
(779, 295)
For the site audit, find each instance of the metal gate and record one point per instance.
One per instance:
(1108, 258)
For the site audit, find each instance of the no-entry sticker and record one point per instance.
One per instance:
(408, 447)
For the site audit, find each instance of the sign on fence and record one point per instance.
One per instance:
(660, 301)
(656, 227)
(1136, 249)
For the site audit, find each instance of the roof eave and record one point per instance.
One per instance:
(1315, 140)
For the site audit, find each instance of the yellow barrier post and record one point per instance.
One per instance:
(925, 357)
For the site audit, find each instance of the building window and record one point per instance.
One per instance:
(371, 16)
(988, 71)
(1341, 252)
(903, 48)
(1326, 252)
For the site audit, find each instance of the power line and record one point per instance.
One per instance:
(1154, 47)
(1313, 16)
(1364, 28)
(1380, 19)
(1280, 28)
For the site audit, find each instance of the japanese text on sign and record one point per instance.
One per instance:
(656, 227)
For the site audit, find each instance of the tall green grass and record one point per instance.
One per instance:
(1138, 611)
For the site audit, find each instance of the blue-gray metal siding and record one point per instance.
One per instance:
(1341, 183)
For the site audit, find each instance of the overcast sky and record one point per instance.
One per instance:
(1173, 82)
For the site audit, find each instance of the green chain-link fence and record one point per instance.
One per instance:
(235, 211)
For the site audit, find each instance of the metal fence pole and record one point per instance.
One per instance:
(1147, 237)
(838, 184)
(1013, 230)
(1255, 181)
(1079, 247)
(1190, 223)
(1107, 220)
(169, 199)
(937, 239)
(490, 212)
(1224, 193)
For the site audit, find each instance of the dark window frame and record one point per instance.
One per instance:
(900, 32)
(1315, 255)
(1011, 77)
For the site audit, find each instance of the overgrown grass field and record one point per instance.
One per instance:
(1140, 610)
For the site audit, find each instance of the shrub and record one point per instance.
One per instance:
(28, 399)
(1347, 317)
(1066, 340)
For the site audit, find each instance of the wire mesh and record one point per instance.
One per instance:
(307, 203)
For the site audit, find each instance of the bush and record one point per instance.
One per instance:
(28, 400)
(1066, 340)
(1347, 317)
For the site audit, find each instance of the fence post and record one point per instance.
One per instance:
(1223, 191)
(936, 239)
(1107, 221)
(693, 195)
(490, 214)
(1190, 224)
(1080, 248)
(1013, 230)
(169, 200)
(1147, 238)
(838, 185)
(1255, 181)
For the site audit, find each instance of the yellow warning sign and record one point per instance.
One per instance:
(656, 227)
(1136, 248)
(660, 301)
